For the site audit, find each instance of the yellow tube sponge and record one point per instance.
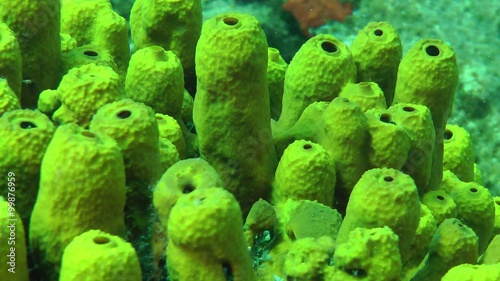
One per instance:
(417, 121)
(82, 187)
(389, 142)
(344, 135)
(172, 142)
(169, 129)
(384, 197)
(171, 24)
(169, 155)
(81, 93)
(476, 209)
(428, 75)
(427, 226)
(458, 152)
(25, 135)
(8, 99)
(134, 127)
(231, 108)
(206, 239)
(441, 204)
(305, 172)
(182, 178)
(99, 256)
(371, 254)
(155, 78)
(317, 72)
(87, 54)
(310, 122)
(276, 69)
(471, 272)
(453, 243)
(491, 256)
(94, 22)
(13, 256)
(377, 52)
(10, 59)
(367, 95)
(36, 24)
(449, 181)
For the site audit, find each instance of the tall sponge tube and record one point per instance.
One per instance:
(82, 187)
(231, 108)
(428, 75)
(36, 23)
(317, 72)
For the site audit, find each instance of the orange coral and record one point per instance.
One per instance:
(313, 13)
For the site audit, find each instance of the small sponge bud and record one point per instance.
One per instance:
(98, 256)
